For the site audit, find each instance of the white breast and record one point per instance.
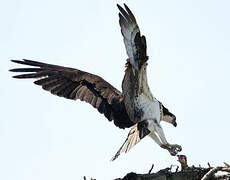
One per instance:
(150, 107)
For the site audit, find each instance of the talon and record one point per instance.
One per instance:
(174, 149)
(179, 148)
(173, 153)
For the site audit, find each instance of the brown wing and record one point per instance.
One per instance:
(129, 87)
(76, 84)
(136, 50)
(135, 44)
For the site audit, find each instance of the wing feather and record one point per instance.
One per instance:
(131, 140)
(76, 84)
(135, 44)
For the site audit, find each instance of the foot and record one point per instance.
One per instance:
(174, 149)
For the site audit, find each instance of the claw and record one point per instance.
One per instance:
(173, 153)
(174, 149)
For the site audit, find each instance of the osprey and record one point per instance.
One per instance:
(134, 107)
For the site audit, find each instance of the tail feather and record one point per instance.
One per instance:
(132, 139)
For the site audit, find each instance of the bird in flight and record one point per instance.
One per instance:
(135, 107)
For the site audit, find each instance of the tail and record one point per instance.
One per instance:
(132, 139)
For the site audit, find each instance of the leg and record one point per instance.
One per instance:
(172, 148)
(155, 138)
(158, 141)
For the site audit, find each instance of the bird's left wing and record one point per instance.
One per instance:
(135, 44)
(76, 84)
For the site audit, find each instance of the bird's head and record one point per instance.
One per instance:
(182, 159)
(168, 116)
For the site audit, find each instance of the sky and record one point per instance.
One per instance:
(46, 137)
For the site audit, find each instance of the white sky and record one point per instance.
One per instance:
(45, 137)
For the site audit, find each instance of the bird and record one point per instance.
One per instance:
(183, 161)
(134, 107)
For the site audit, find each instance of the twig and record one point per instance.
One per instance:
(90, 179)
(225, 176)
(211, 173)
(151, 169)
(226, 164)
(177, 168)
(226, 169)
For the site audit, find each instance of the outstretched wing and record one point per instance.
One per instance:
(76, 84)
(135, 44)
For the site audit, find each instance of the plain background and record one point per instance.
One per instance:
(46, 137)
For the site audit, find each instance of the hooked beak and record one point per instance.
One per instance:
(174, 122)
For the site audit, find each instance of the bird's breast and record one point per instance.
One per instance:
(150, 107)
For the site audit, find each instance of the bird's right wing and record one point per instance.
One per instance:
(76, 84)
(135, 44)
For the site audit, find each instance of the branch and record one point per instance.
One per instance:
(213, 171)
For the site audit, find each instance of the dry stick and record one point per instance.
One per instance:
(226, 169)
(151, 169)
(211, 173)
(226, 164)
(222, 176)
